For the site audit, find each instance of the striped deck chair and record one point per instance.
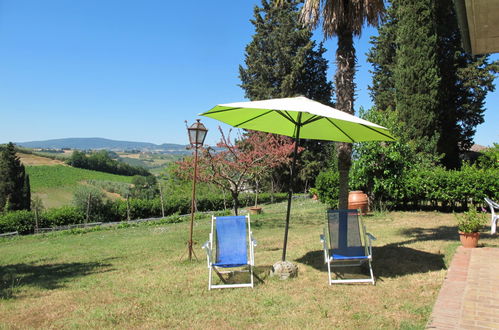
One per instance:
(346, 243)
(230, 246)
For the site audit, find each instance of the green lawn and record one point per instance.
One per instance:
(65, 176)
(55, 184)
(138, 277)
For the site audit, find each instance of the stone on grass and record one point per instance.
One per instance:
(284, 270)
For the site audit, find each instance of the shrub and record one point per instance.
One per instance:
(327, 185)
(20, 221)
(62, 216)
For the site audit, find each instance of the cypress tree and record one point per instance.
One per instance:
(283, 61)
(422, 72)
(26, 194)
(13, 185)
(466, 80)
(417, 74)
(382, 57)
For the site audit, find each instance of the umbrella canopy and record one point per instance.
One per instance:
(298, 117)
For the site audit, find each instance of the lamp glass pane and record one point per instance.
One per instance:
(201, 136)
(192, 135)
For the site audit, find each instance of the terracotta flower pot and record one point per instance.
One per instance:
(255, 210)
(357, 200)
(469, 240)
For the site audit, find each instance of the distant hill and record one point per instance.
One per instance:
(101, 143)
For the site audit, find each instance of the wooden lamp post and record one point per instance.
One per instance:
(197, 134)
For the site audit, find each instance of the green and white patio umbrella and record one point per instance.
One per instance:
(299, 118)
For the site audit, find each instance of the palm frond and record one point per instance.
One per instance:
(341, 15)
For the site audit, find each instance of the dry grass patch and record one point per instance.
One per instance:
(135, 277)
(34, 160)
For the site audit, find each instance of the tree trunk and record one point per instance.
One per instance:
(345, 89)
(36, 220)
(256, 193)
(161, 199)
(235, 200)
(88, 208)
(225, 202)
(127, 207)
(272, 189)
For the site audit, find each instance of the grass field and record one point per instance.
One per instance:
(55, 184)
(136, 277)
(154, 162)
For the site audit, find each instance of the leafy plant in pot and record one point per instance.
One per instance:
(469, 223)
(314, 193)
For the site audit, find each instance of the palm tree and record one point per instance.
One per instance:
(343, 19)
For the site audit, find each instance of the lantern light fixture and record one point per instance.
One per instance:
(197, 133)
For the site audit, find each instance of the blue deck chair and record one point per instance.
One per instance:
(230, 245)
(346, 243)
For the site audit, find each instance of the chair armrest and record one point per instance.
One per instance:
(253, 240)
(492, 204)
(206, 247)
(324, 247)
(370, 246)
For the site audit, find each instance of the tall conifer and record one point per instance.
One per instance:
(382, 57)
(283, 61)
(26, 194)
(422, 72)
(13, 189)
(416, 73)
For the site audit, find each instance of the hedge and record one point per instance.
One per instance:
(436, 188)
(113, 211)
(20, 221)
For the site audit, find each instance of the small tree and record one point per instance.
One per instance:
(274, 150)
(89, 200)
(37, 207)
(144, 187)
(239, 162)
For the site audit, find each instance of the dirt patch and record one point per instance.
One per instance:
(34, 160)
(133, 156)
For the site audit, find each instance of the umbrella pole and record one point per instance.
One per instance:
(290, 191)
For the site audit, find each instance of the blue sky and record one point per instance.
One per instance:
(135, 70)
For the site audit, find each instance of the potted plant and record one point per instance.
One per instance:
(314, 193)
(468, 225)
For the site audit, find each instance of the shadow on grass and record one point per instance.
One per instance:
(260, 274)
(47, 276)
(391, 260)
(417, 234)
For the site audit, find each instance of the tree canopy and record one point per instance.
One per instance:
(282, 60)
(102, 161)
(422, 73)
